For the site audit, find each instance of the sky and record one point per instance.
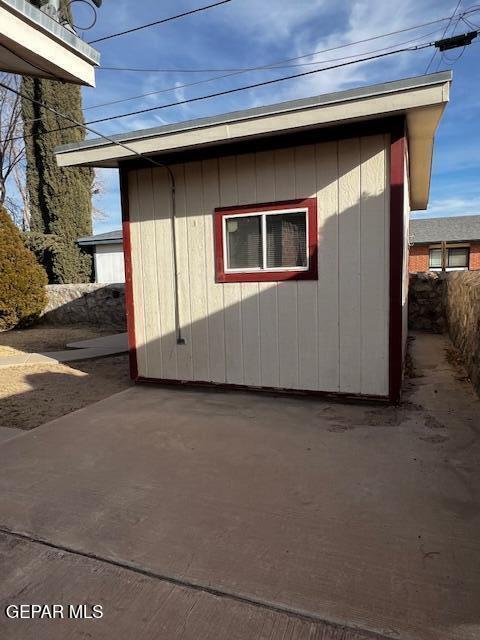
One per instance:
(252, 33)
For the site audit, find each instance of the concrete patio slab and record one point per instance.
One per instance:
(135, 605)
(117, 340)
(364, 516)
(6, 433)
(83, 350)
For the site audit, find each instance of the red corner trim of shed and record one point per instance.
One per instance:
(397, 195)
(127, 252)
(268, 276)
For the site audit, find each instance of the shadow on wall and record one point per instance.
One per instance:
(94, 304)
(329, 335)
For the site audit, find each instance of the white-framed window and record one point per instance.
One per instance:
(435, 259)
(266, 241)
(458, 258)
(453, 258)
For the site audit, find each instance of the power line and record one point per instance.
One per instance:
(306, 55)
(162, 21)
(277, 64)
(470, 10)
(270, 67)
(86, 126)
(235, 73)
(261, 84)
(443, 35)
(242, 88)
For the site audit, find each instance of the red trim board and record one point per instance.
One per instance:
(268, 276)
(127, 253)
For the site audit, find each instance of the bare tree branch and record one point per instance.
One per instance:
(12, 153)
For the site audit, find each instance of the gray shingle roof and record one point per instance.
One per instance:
(451, 229)
(112, 237)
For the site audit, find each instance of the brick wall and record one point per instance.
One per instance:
(475, 256)
(418, 259)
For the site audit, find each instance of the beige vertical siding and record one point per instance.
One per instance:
(406, 250)
(327, 335)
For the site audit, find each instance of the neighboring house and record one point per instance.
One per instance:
(107, 249)
(445, 244)
(280, 258)
(34, 44)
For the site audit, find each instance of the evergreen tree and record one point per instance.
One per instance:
(60, 199)
(22, 279)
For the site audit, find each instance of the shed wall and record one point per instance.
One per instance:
(326, 335)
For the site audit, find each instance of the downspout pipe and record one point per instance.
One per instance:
(178, 328)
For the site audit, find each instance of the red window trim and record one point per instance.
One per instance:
(268, 276)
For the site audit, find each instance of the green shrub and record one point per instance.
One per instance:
(22, 279)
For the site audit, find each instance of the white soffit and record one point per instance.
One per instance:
(33, 44)
(421, 99)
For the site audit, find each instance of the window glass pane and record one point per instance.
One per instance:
(244, 242)
(435, 258)
(286, 240)
(458, 257)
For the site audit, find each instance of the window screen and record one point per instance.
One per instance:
(267, 241)
(458, 257)
(435, 258)
(244, 242)
(286, 240)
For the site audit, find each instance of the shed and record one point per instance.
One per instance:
(268, 248)
(108, 261)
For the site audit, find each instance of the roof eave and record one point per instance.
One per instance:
(34, 44)
(422, 100)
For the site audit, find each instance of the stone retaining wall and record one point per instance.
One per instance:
(449, 302)
(425, 302)
(100, 304)
(462, 312)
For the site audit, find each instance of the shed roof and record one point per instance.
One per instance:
(421, 99)
(448, 229)
(111, 237)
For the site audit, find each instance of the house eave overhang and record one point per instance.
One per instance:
(420, 100)
(92, 243)
(33, 44)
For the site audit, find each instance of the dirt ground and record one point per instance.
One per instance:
(33, 395)
(30, 396)
(47, 338)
